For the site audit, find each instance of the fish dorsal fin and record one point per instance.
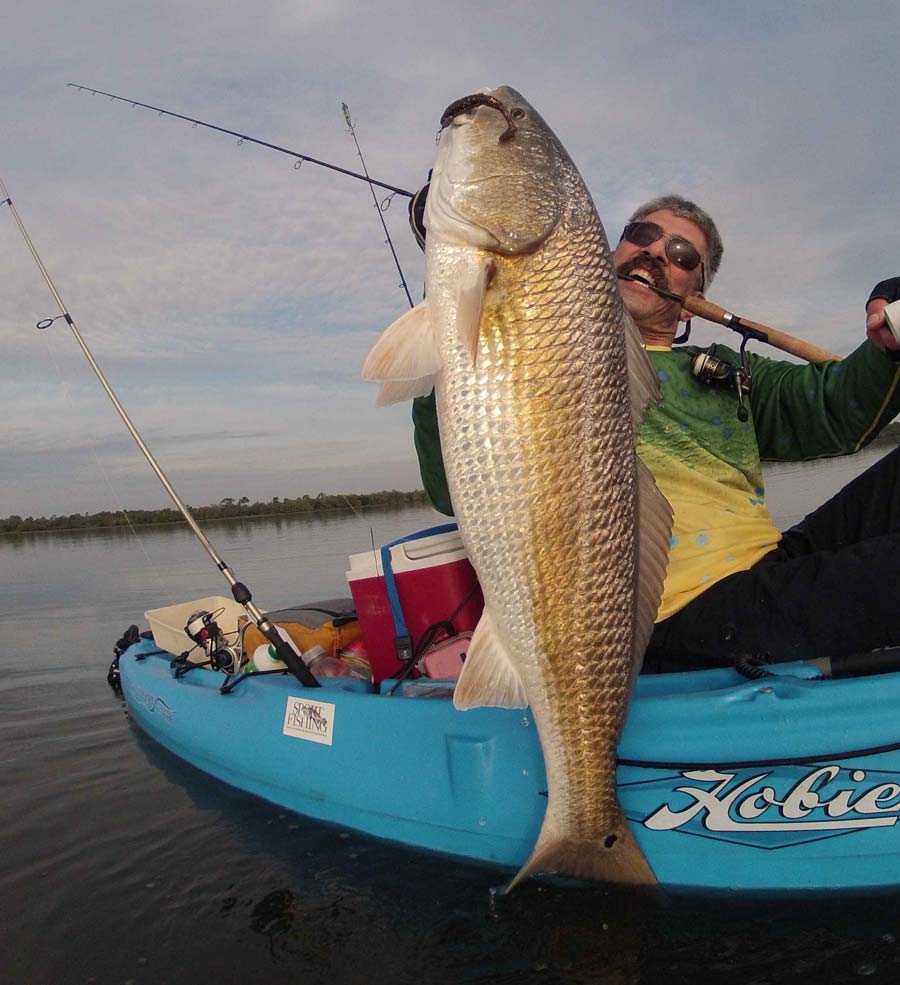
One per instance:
(643, 385)
(394, 391)
(470, 305)
(489, 677)
(654, 528)
(407, 350)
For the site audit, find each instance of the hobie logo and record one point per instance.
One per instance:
(828, 800)
(153, 704)
(310, 720)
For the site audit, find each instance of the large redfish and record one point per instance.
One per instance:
(541, 380)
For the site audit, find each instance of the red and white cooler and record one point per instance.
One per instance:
(434, 583)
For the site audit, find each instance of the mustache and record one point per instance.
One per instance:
(649, 265)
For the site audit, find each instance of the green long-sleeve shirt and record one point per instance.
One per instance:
(707, 462)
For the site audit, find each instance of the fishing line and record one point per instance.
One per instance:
(382, 206)
(92, 448)
(243, 136)
(380, 209)
(239, 591)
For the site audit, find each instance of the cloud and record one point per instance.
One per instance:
(231, 298)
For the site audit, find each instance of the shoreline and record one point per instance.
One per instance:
(319, 505)
(329, 504)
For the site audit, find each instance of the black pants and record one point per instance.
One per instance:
(831, 588)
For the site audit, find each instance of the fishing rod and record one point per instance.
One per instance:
(748, 329)
(366, 177)
(380, 209)
(240, 591)
(244, 137)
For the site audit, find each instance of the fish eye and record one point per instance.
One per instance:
(518, 114)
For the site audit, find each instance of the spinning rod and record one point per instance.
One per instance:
(244, 137)
(240, 591)
(382, 207)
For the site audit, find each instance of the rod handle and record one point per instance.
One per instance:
(287, 656)
(780, 340)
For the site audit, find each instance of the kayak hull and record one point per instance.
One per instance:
(783, 784)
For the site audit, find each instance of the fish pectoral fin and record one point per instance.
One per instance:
(395, 391)
(643, 386)
(489, 677)
(407, 350)
(470, 306)
(654, 528)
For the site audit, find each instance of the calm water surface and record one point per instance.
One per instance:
(121, 864)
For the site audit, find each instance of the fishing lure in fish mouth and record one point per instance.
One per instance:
(483, 99)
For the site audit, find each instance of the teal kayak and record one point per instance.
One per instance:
(782, 784)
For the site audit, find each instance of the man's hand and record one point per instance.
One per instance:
(877, 332)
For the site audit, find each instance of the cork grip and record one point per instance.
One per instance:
(780, 340)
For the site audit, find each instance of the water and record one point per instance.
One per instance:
(122, 864)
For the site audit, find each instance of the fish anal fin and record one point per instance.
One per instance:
(615, 858)
(489, 677)
(407, 349)
(470, 305)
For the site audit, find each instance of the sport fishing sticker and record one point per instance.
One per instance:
(310, 720)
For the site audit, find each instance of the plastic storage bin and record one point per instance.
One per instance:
(167, 624)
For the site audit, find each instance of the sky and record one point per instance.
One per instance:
(230, 298)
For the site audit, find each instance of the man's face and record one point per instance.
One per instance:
(640, 301)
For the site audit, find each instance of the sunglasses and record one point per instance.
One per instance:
(678, 249)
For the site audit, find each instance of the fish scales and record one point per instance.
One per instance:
(552, 458)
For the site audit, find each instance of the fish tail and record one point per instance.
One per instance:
(615, 858)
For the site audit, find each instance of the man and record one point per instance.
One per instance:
(735, 587)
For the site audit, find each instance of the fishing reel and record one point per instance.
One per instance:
(708, 368)
(203, 629)
(417, 212)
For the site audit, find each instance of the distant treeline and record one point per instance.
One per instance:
(225, 509)
(242, 507)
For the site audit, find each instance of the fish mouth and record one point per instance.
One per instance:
(467, 103)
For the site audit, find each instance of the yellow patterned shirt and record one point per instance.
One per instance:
(707, 462)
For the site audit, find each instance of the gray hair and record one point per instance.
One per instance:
(688, 210)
